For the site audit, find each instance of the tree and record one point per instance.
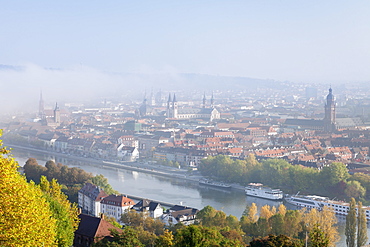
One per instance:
(277, 224)
(292, 224)
(206, 215)
(252, 214)
(355, 190)
(201, 236)
(33, 170)
(266, 212)
(25, 217)
(129, 237)
(102, 182)
(350, 230)
(361, 226)
(165, 240)
(334, 173)
(272, 240)
(282, 209)
(63, 211)
(142, 220)
(318, 238)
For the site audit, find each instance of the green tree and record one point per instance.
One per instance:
(201, 236)
(318, 238)
(25, 217)
(139, 220)
(33, 170)
(277, 224)
(292, 220)
(355, 190)
(63, 211)
(205, 215)
(129, 237)
(350, 230)
(165, 240)
(102, 182)
(361, 226)
(334, 173)
(272, 240)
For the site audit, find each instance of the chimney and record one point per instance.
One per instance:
(102, 216)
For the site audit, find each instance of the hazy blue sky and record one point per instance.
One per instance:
(301, 41)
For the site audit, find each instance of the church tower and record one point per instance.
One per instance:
(174, 107)
(204, 100)
(42, 114)
(329, 120)
(212, 102)
(169, 106)
(41, 107)
(56, 114)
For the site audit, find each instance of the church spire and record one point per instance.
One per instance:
(41, 107)
(204, 100)
(212, 101)
(329, 120)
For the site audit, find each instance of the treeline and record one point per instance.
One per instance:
(72, 178)
(215, 228)
(332, 180)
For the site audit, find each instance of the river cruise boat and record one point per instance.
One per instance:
(318, 202)
(214, 183)
(258, 190)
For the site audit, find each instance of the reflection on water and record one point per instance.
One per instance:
(261, 202)
(121, 176)
(135, 175)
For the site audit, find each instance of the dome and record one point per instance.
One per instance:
(330, 95)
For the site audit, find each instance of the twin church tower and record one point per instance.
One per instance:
(42, 115)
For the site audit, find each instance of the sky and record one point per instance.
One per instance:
(68, 41)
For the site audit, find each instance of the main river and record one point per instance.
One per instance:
(166, 189)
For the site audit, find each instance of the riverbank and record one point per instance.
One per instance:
(144, 167)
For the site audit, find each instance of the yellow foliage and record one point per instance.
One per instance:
(25, 218)
(282, 209)
(252, 214)
(266, 212)
(326, 220)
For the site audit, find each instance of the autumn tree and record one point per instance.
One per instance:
(63, 211)
(266, 212)
(249, 217)
(139, 220)
(25, 216)
(282, 209)
(165, 240)
(361, 226)
(351, 223)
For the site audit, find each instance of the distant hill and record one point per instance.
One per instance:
(9, 67)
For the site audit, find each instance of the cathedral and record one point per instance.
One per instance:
(174, 112)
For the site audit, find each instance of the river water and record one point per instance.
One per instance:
(171, 190)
